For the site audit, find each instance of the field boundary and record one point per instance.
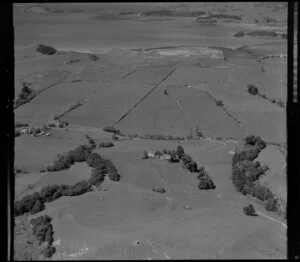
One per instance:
(36, 93)
(144, 97)
(223, 108)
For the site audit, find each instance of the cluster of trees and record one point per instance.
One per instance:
(35, 202)
(255, 141)
(246, 172)
(81, 154)
(205, 181)
(187, 160)
(62, 162)
(66, 160)
(46, 50)
(106, 144)
(158, 137)
(103, 167)
(43, 231)
(26, 94)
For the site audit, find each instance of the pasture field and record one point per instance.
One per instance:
(152, 69)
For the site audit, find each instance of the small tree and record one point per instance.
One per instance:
(271, 204)
(219, 103)
(180, 151)
(253, 90)
(145, 155)
(249, 210)
(93, 57)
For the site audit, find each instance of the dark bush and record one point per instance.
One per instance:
(186, 159)
(47, 192)
(271, 204)
(64, 190)
(260, 144)
(26, 204)
(46, 50)
(97, 177)
(255, 141)
(62, 162)
(42, 228)
(261, 192)
(40, 220)
(111, 129)
(239, 34)
(180, 151)
(257, 164)
(280, 103)
(106, 144)
(80, 188)
(173, 157)
(192, 166)
(91, 142)
(17, 133)
(159, 190)
(79, 154)
(249, 154)
(145, 155)
(37, 207)
(253, 90)
(250, 140)
(93, 57)
(26, 93)
(49, 251)
(114, 137)
(201, 172)
(158, 153)
(206, 183)
(219, 103)
(249, 210)
(94, 160)
(114, 176)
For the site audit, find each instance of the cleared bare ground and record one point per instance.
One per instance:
(126, 219)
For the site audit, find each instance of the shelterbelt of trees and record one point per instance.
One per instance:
(246, 173)
(101, 167)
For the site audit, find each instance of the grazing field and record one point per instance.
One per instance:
(143, 74)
